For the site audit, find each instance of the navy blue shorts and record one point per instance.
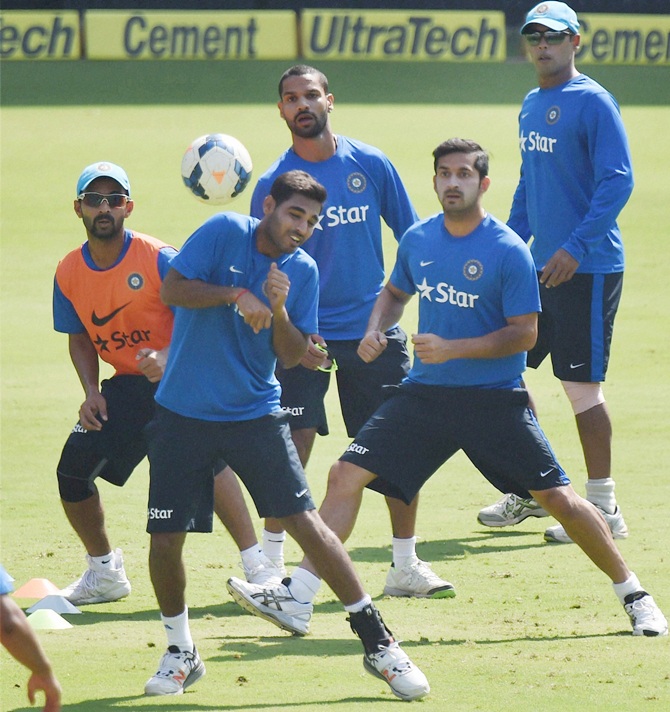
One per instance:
(420, 427)
(185, 454)
(359, 384)
(576, 325)
(115, 451)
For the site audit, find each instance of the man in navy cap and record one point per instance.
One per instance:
(576, 177)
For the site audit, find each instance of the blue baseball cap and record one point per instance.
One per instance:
(554, 15)
(103, 169)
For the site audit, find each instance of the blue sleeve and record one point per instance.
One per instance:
(613, 173)
(165, 256)
(396, 207)
(202, 252)
(304, 313)
(518, 217)
(65, 317)
(401, 276)
(258, 196)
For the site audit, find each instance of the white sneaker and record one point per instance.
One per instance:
(417, 579)
(273, 603)
(177, 670)
(615, 522)
(645, 616)
(99, 585)
(509, 510)
(393, 665)
(265, 571)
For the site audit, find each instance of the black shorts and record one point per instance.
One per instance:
(576, 325)
(185, 454)
(115, 451)
(359, 384)
(420, 427)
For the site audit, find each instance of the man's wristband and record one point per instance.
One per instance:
(243, 291)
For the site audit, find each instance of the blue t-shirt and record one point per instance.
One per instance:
(467, 286)
(576, 175)
(65, 317)
(218, 368)
(363, 187)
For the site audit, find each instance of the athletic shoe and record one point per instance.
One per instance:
(393, 665)
(177, 670)
(266, 571)
(417, 579)
(273, 603)
(645, 616)
(509, 510)
(99, 585)
(557, 534)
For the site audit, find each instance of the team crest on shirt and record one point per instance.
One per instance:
(135, 281)
(553, 115)
(473, 269)
(356, 182)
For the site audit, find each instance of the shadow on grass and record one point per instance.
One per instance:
(485, 542)
(162, 704)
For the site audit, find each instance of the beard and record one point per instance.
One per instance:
(312, 130)
(108, 230)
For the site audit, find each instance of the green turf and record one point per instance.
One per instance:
(533, 626)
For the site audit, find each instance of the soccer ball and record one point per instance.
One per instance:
(216, 168)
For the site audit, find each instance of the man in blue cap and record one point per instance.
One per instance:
(576, 177)
(106, 298)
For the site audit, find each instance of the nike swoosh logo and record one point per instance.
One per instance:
(544, 474)
(577, 365)
(425, 264)
(523, 116)
(102, 320)
(300, 494)
(232, 268)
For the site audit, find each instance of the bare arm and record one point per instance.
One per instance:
(386, 312)
(22, 643)
(178, 291)
(289, 343)
(519, 335)
(85, 360)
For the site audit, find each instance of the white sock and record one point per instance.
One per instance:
(304, 585)
(630, 585)
(358, 607)
(601, 492)
(404, 550)
(251, 557)
(103, 563)
(178, 631)
(273, 545)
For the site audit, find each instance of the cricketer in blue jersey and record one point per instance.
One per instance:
(576, 176)
(245, 296)
(466, 268)
(364, 190)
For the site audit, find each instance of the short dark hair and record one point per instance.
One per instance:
(292, 182)
(300, 70)
(463, 145)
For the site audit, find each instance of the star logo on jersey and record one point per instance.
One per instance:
(425, 290)
(102, 320)
(522, 142)
(101, 343)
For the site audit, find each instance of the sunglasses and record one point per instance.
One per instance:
(549, 36)
(95, 200)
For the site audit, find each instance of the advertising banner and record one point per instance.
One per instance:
(39, 35)
(437, 36)
(124, 34)
(624, 39)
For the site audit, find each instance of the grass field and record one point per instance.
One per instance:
(533, 626)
